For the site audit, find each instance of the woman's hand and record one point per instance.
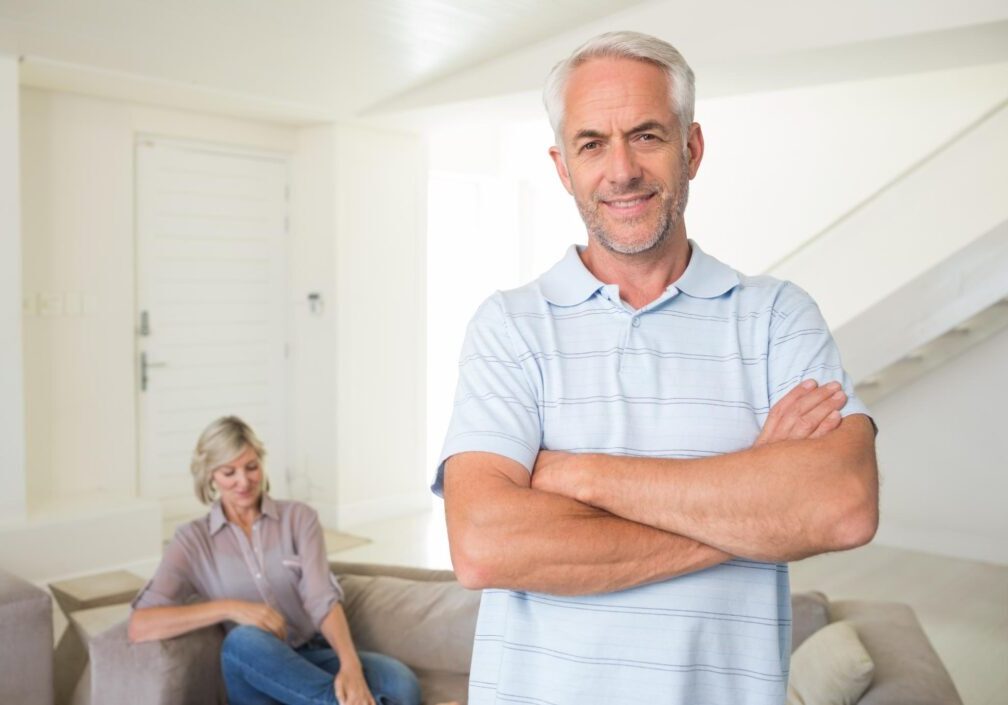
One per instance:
(258, 614)
(350, 686)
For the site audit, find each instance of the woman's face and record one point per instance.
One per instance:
(239, 481)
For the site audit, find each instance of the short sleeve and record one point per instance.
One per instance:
(318, 587)
(496, 409)
(172, 583)
(801, 347)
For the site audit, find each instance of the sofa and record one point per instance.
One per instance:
(427, 620)
(26, 643)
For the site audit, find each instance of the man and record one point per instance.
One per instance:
(643, 437)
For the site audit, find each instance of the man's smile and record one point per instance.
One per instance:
(628, 205)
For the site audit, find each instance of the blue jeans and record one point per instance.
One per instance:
(259, 669)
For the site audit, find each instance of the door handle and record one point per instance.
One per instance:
(145, 365)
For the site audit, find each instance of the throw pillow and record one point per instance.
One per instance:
(831, 667)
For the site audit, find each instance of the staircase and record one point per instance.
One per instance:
(908, 280)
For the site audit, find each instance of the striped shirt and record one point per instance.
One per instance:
(564, 364)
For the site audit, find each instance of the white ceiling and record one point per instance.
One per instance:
(328, 58)
(737, 46)
(310, 60)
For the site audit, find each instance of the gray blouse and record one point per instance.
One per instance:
(283, 565)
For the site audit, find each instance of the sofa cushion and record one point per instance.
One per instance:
(809, 614)
(441, 687)
(907, 669)
(427, 625)
(832, 667)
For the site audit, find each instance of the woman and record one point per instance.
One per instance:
(259, 566)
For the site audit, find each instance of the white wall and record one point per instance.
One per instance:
(314, 352)
(381, 320)
(498, 218)
(12, 442)
(781, 167)
(356, 368)
(943, 456)
(77, 170)
(358, 364)
(941, 207)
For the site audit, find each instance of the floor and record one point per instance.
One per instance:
(963, 605)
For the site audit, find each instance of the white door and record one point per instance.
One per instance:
(211, 282)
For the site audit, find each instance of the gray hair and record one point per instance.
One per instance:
(624, 45)
(222, 441)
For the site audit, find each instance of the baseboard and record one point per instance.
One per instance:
(12, 514)
(342, 516)
(956, 544)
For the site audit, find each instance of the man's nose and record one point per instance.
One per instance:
(622, 166)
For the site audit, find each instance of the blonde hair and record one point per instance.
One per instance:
(223, 440)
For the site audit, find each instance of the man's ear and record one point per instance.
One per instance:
(561, 167)
(695, 147)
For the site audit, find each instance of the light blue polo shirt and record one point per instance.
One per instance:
(564, 364)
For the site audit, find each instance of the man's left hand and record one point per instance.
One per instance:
(807, 411)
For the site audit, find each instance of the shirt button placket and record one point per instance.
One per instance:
(634, 322)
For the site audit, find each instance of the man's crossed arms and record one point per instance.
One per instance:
(593, 523)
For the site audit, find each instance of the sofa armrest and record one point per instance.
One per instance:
(907, 668)
(184, 670)
(26, 643)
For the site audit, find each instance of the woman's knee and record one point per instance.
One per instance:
(390, 680)
(244, 640)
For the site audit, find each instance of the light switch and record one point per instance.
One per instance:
(28, 305)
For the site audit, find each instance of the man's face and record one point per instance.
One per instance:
(623, 156)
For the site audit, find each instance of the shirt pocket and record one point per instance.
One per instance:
(292, 567)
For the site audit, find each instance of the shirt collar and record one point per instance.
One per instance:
(218, 518)
(706, 277)
(569, 282)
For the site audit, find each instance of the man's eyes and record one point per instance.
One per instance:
(595, 145)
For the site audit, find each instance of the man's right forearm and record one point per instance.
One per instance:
(506, 535)
(151, 623)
